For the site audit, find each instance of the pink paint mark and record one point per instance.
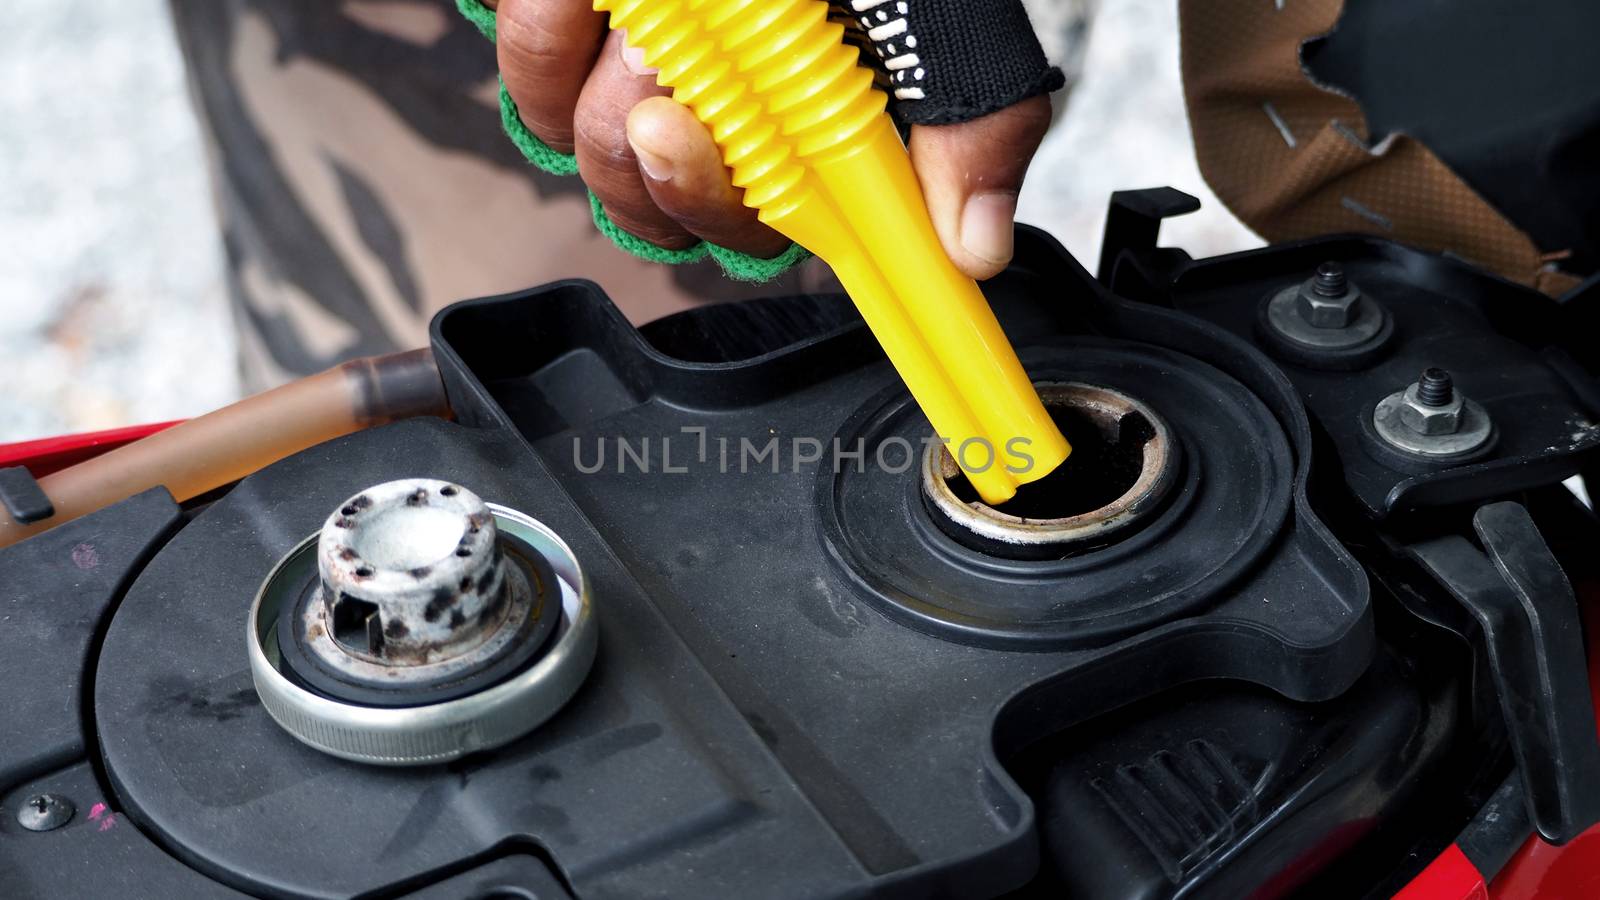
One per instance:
(85, 557)
(106, 817)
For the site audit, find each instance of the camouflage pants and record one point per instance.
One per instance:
(363, 183)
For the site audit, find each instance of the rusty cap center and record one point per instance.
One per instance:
(409, 570)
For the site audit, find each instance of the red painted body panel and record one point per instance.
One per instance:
(1450, 877)
(47, 455)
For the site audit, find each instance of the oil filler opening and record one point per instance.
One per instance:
(1123, 462)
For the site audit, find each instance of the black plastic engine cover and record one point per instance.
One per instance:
(803, 688)
(807, 687)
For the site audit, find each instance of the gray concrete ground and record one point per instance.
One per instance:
(1125, 127)
(111, 299)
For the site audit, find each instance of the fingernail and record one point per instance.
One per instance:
(987, 224)
(633, 60)
(655, 166)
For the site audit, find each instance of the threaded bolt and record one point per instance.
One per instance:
(1330, 280)
(1435, 388)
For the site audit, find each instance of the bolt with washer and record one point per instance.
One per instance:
(1431, 405)
(1327, 313)
(45, 812)
(1431, 418)
(1328, 300)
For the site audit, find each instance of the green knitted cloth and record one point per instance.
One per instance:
(739, 266)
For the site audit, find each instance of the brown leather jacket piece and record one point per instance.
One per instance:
(1293, 160)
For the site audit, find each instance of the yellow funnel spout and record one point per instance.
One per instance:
(806, 136)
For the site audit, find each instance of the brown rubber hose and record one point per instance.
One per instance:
(221, 447)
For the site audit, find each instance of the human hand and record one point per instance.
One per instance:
(660, 176)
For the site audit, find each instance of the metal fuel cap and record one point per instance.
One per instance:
(419, 625)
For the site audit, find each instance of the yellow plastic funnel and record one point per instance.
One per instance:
(806, 136)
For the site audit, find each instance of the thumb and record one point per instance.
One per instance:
(971, 173)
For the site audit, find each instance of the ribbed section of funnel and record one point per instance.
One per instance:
(772, 79)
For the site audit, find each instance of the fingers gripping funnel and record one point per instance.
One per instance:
(807, 139)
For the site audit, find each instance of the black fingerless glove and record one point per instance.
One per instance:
(949, 61)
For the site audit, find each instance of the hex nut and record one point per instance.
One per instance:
(1308, 320)
(1425, 419)
(1322, 311)
(1473, 431)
